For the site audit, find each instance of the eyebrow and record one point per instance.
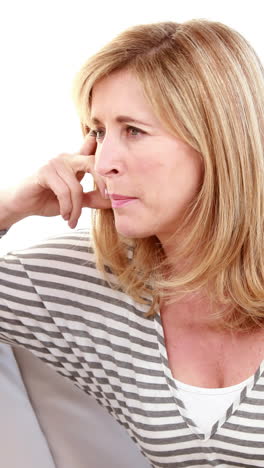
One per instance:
(121, 119)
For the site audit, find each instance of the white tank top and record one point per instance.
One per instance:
(207, 405)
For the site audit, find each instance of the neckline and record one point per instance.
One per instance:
(248, 386)
(213, 391)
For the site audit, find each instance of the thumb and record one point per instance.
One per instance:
(94, 199)
(89, 145)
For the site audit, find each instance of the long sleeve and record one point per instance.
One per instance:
(55, 303)
(52, 302)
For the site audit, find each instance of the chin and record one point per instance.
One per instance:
(132, 232)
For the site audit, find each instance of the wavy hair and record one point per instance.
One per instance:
(205, 83)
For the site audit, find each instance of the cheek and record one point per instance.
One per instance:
(151, 168)
(169, 170)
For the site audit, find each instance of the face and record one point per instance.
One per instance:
(138, 158)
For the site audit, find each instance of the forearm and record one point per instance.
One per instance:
(8, 217)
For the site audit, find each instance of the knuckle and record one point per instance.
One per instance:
(58, 161)
(45, 168)
(62, 156)
(63, 192)
(52, 163)
(78, 190)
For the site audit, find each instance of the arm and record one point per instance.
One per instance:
(33, 284)
(55, 189)
(34, 298)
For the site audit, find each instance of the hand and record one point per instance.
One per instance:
(55, 188)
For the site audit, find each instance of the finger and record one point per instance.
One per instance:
(89, 145)
(99, 184)
(66, 173)
(78, 162)
(83, 164)
(61, 191)
(95, 200)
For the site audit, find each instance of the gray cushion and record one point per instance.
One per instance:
(80, 433)
(22, 442)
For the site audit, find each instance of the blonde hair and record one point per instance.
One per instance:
(205, 83)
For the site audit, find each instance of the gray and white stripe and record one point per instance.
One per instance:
(55, 302)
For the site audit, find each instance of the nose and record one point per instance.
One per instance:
(108, 160)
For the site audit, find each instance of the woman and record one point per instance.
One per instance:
(159, 315)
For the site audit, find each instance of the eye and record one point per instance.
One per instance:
(134, 131)
(96, 133)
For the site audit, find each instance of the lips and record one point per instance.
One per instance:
(114, 196)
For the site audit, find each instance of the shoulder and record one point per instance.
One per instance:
(65, 264)
(60, 244)
(58, 255)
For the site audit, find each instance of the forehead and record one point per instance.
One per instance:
(120, 93)
(116, 82)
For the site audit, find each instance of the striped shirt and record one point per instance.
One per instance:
(56, 303)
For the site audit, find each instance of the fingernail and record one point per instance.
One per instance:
(72, 224)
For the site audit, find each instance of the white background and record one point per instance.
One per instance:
(43, 44)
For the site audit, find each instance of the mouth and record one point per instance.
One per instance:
(117, 203)
(114, 196)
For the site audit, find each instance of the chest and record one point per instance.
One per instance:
(201, 357)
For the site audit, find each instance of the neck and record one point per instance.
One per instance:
(193, 311)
